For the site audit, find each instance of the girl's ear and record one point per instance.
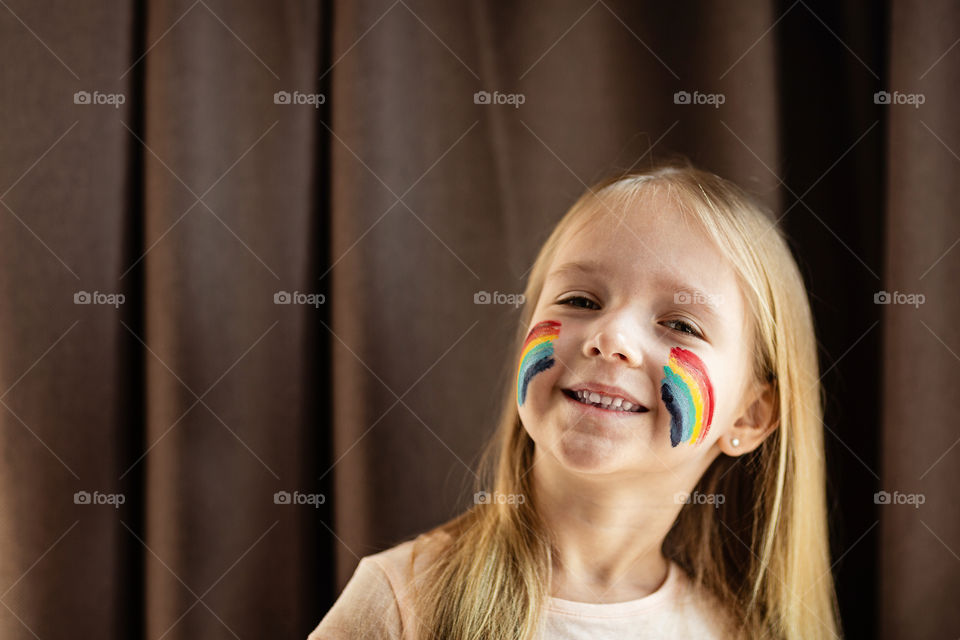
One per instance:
(760, 417)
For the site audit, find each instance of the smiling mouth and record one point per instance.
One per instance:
(602, 401)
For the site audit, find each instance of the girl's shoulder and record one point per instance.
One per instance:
(378, 601)
(405, 562)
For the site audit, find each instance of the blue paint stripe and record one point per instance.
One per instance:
(529, 371)
(679, 401)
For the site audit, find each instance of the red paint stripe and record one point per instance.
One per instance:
(699, 370)
(541, 329)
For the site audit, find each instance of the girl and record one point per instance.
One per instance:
(658, 469)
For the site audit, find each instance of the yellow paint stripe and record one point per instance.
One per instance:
(694, 387)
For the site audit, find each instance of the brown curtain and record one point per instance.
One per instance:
(200, 402)
(920, 547)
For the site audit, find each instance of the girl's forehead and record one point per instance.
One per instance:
(653, 236)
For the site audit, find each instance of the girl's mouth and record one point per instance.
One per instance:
(614, 404)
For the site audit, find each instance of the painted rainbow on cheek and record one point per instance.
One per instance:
(536, 355)
(688, 395)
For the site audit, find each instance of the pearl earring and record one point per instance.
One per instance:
(735, 442)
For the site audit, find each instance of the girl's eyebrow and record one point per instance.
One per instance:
(667, 284)
(587, 266)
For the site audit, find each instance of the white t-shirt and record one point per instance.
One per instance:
(377, 603)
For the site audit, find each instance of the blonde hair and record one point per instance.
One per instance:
(764, 552)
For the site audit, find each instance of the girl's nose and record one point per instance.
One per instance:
(611, 344)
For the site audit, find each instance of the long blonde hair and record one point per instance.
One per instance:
(764, 552)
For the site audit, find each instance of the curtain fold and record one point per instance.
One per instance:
(919, 564)
(229, 211)
(64, 423)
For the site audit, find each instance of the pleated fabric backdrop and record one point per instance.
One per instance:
(222, 186)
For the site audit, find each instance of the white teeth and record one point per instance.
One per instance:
(611, 403)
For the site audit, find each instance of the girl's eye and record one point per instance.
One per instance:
(577, 301)
(685, 327)
(682, 326)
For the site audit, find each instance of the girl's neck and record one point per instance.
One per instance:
(607, 532)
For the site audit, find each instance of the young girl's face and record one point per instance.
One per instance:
(638, 354)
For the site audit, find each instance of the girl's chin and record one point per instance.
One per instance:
(588, 448)
(585, 460)
(590, 463)
(615, 463)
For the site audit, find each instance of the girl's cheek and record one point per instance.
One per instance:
(536, 355)
(687, 392)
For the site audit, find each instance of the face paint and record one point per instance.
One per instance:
(536, 355)
(688, 395)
